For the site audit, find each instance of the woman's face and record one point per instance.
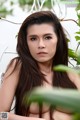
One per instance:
(42, 42)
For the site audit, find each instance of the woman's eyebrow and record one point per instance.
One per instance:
(48, 34)
(34, 35)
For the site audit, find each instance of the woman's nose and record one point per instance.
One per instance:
(41, 44)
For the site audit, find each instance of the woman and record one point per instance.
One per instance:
(41, 45)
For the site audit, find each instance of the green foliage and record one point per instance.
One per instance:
(64, 68)
(75, 55)
(24, 5)
(72, 53)
(77, 38)
(47, 4)
(24, 2)
(78, 5)
(29, 3)
(76, 116)
(4, 11)
(66, 99)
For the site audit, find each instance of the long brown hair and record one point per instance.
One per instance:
(30, 75)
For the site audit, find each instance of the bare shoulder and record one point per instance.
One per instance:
(11, 76)
(75, 78)
(13, 66)
(9, 85)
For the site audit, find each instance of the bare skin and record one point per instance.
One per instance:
(7, 92)
(40, 39)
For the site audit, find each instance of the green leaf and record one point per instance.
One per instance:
(47, 4)
(11, 3)
(78, 32)
(78, 59)
(78, 7)
(77, 38)
(4, 11)
(25, 2)
(76, 116)
(68, 40)
(67, 99)
(63, 68)
(71, 53)
(78, 15)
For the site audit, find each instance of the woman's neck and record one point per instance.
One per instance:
(45, 68)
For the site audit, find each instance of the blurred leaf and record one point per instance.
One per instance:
(76, 116)
(71, 53)
(11, 3)
(48, 4)
(67, 99)
(78, 15)
(77, 38)
(68, 40)
(4, 11)
(29, 2)
(78, 5)
(78, 59)
(63, 68)
(78, 32)
(24, 2)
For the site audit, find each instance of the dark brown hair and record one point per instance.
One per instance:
(30, 75)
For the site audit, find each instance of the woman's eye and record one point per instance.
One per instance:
(48, 37)
(33, 39)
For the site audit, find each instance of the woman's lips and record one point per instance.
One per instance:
(42, 53)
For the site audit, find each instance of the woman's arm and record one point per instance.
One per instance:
(11, 116)
(8, 87)
(17, 117)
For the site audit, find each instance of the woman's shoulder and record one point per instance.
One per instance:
(15, 61)
(13, 68)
